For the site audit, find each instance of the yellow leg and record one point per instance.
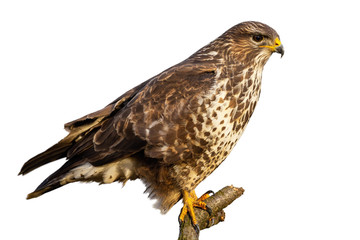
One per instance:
(190, 201)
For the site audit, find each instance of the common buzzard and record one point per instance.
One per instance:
(172, 130)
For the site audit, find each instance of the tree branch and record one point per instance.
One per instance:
(217, 203)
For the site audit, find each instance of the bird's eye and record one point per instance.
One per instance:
(258, 38)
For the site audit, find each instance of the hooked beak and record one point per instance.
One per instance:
(280, 49)
(277, 47)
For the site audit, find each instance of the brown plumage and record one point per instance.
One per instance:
(174, 129)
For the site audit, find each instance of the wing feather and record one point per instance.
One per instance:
(155, 119)
(80, 133)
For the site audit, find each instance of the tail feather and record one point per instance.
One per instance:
(54, 153)
(40, 191)
(121, 170)
(52, 182)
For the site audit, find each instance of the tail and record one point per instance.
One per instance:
(75, 170)
(53, 182)
(43, 189)
(54, 153)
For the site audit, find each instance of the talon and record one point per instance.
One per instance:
(197, 228)
(206, 195)
(180, 220)
(210, 191)
(209, 210)
(190, 201)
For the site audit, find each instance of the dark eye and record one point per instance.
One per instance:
(258, 38)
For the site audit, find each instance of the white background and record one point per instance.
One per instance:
(298, 160)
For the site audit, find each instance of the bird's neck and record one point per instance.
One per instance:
(240, 85)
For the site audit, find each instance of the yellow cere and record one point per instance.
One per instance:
(276, 44)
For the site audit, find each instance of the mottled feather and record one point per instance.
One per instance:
(172, 130)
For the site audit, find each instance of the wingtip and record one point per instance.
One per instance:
(21, 173)
(34, 194)
(29, 196)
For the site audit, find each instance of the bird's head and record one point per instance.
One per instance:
(252, 41)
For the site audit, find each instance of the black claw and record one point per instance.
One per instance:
(179, 220)
(197, 229)
(181, 223)
(210, 191)
(209, 210)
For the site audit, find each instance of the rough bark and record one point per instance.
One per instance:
(217, 203)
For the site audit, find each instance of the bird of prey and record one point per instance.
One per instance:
(172, 130)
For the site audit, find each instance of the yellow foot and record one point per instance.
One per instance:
(190, 201)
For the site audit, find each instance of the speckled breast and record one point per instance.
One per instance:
(228, 109)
